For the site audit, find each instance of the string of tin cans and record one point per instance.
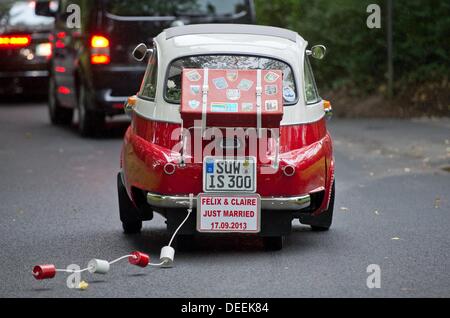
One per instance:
(100, 266)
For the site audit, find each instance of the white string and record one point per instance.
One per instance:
(185, 219)
(121, 258)
(73, 270)
(179, 227)
(159, 264)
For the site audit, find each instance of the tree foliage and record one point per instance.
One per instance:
(357, 56)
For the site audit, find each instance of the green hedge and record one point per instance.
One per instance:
(357, 55)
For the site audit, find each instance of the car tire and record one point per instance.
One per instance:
(129, 214)
(58, 115)
(323, 221)
(273, 243)
(185, 242)
(89, 122)
(132, 227)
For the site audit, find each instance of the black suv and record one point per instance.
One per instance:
(93, 70)
(25, 49)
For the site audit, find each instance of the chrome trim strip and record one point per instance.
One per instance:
(267, 203)
(24, 74)
(114, 99)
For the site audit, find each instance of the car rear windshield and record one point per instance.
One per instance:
(172, 90)
(176, 7)
(20, 15)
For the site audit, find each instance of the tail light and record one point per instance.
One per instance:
(44, 49)
(100, 50)
(14, 41)
(64, 90)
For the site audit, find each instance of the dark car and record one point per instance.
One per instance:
(25, 49)
(93, 70)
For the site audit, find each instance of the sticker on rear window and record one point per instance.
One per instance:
(224, 107)
(195, 89)
(271, 77)
(271, 105)
(194, 104)
(232, 75)
(233, 94)
(271, 89)
(247, 107)
(220, 83)
(193, 76)
(245, 84)
(289, 94)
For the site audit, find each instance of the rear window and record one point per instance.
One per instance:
(20, 14)
(176, 7)
(172, 90)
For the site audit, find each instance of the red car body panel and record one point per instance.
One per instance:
(148, 147)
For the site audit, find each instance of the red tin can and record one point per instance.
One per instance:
(139, 259)
(44, 271)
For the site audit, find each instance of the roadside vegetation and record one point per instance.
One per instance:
(354, 73)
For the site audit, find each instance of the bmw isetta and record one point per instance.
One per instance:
(228, 123)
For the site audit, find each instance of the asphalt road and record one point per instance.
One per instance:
(58, 205)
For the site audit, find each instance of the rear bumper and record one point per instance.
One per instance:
(267, 203)
(18, 82)
(24, 74)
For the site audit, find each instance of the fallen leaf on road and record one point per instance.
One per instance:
(83, 285)
(404, 289)
(437, 202)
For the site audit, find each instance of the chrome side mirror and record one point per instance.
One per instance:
(140, 52)
(317, 52)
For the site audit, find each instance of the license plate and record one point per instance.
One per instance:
(229, 175)
(224, 213)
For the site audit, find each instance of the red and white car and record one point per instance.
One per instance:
(228, 122)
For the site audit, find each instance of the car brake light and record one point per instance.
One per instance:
(100, 50)
(99, 41)
(100, 59)
(64, 90)
(12, 41)
(60, 69)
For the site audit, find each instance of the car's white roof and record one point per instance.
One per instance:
(230, 38)
(231, 29)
